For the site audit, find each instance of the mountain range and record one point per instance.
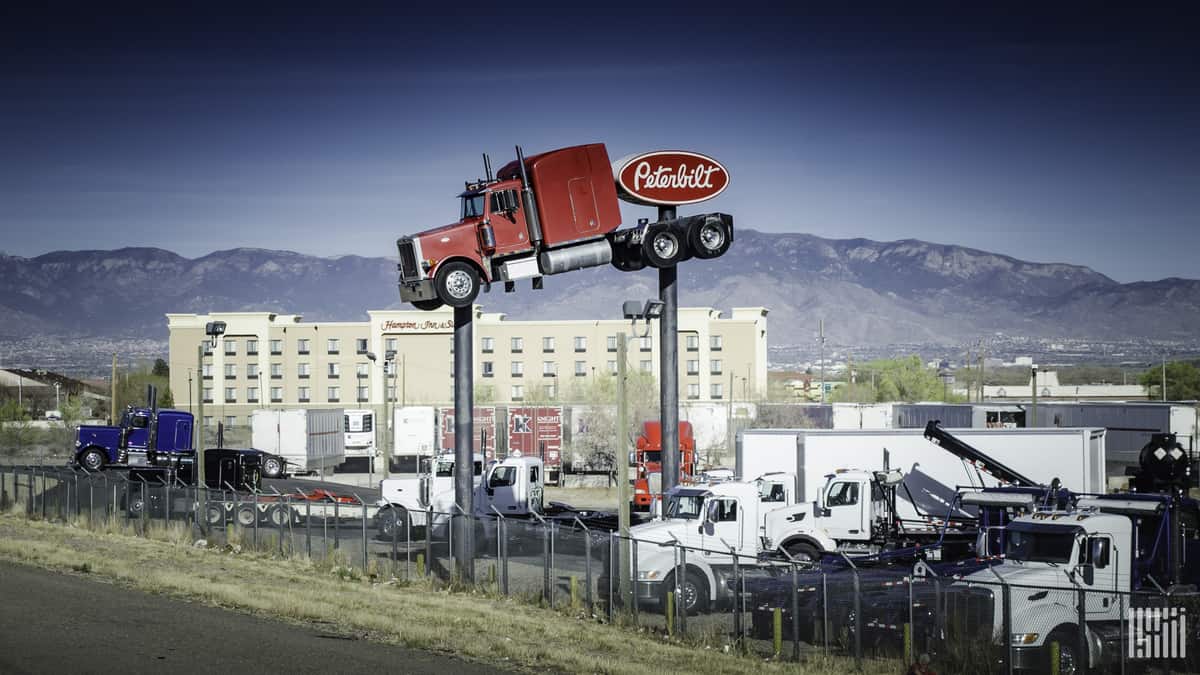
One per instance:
(868, 292)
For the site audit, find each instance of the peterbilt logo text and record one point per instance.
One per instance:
(670, 177)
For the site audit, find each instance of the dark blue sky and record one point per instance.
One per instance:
(1068, 136)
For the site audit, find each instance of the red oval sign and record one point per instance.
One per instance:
(670, 177)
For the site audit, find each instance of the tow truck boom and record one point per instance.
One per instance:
(935, 434)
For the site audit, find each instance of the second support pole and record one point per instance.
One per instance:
(668, 330)
(464, 435)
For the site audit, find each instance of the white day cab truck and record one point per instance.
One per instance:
(1103, 566)
(307, 440)
(512, 487)
(857, 512)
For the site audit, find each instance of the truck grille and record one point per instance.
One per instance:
(408, 260)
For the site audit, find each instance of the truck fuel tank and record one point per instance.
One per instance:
(589, 254)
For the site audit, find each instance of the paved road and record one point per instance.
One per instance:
(54, 623)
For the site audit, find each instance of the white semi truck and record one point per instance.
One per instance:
(1073, 576)
(308, 440)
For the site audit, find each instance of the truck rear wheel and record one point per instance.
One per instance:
(457, 283)
(214, 514)
(664, 246)
(279, 515)
(628, 258)
(803, 552)
(273, 467)
(246, 516)
(392, 522)
(709, 238)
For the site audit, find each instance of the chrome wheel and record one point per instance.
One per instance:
(459, 284)
(92, 460)
(666, 245)
(712, 237)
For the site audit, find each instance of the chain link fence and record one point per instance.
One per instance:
(707, 596)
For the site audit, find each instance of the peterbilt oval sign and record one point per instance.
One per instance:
(670, 177)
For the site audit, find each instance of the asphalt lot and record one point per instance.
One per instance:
(55, 623)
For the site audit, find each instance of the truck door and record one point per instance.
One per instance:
(1098, 576)
(535, 488)
(183, 435)
(138, 434)
(508, 225)
(502, 488)
(847, 516)
(722, 527)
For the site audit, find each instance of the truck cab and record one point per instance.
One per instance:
(647, 461)
(140, 434)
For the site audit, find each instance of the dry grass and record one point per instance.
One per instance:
(592, 498)
(469, 624)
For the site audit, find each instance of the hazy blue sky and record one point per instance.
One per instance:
(1071, 136)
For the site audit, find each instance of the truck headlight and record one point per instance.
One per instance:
(77, 443)
(1024, 638)
(647, 576)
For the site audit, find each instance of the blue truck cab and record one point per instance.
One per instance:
(141, 431)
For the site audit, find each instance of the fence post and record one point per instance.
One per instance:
(285, 514)
(547, 582)
(307, 524)
(587, 550)
(395, 536)
(613, 570)
(145, 505)
(428, 540)
(256, 518)
(1082, 655)
(502, 549)
(737, 597)
(795, 612)
(366, 551)
(43, 494)
(857, 612)
(633, 578)
(337, 524)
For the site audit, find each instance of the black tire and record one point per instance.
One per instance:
(246, 515)
(1068, 650)
(693, 592)
(457, 283)
(803, 551)
(272, 466)
(392, 519)
(428, 305)
(279, 515)
(214, 514)
(709, 238)
(664, 246)
(92, 459)
(135, 506)
(628, 258)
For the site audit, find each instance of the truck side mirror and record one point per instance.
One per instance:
(1089, 573)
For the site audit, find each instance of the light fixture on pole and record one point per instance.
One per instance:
(371, 460)
(389, 367)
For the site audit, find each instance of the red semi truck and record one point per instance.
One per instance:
(648, 461)
(546, 214)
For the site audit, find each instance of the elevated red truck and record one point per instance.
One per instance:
(546, 214)
(648, 461)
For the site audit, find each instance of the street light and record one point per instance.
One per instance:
(212, 331)
(371, 460)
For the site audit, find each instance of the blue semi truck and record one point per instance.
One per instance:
(140, 431)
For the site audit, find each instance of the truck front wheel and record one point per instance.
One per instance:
(457, 283)
(803, 552)
(91, 459)
(391, 522)
(1068, 651)
(693, 592)
(272, 467)
(428, 305)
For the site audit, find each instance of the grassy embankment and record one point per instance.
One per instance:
(471, 624)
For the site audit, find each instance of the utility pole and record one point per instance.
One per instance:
(821, 352)
(1164, 377)
(1033, 379)
(982, 358)
(623, 469)
(112, 401)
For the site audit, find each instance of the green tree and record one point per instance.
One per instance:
(160, 369)
(1183, 381)
(596, 446)
(16, 432)
(131, 388)
(901, 379)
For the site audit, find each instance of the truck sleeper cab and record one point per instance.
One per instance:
(140, 430)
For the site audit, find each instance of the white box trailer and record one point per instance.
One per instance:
(862, 415)
(414, 432)
(360, 433)
(309, 440)
(932, 475)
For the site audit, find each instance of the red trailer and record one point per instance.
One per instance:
(485, 430)
(538, 432)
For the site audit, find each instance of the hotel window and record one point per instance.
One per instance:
(231, 348)
(302, 370)
(645, 365)
(580, 368)
(489, 369)
(230, 371)
(208, 420)
(612, 367)
(611, 343)
(334, 394)
(488, 345)
(304, 394)
(550, 390)
(208, 394)
(276, 394)
(252, 347)
(517, 345)
(693, 391)
(715, 342)
(360, 345)
(362, 370)
(276, 371)
(549, 369)
(715, 367)
(252, 370)
(206, 371)
(230, 421)
(547, 344)
(252, 395)
(302, 346)
(718, 390)
(693, 367)
(646, 343)
(335, 370)
(581, 343)
(276, 347)
(362, 394)
(693, 343)
(518, 369)
(389, 345)
(231, 394)
(331, 345)
(518, 392)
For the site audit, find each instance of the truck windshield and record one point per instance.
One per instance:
(1050, 544)
(688, 507)
(472, 206)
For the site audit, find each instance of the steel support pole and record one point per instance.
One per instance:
(625, 585)
(464, 435)
(668, 330)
